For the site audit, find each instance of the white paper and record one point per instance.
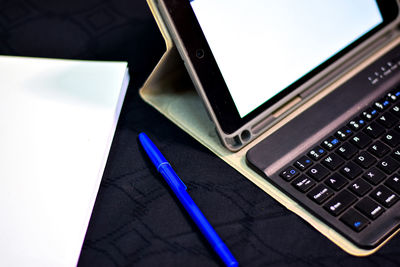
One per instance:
(57, 122)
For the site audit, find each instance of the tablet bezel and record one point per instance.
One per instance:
(196, 53)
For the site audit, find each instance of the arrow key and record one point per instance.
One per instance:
(354, 220)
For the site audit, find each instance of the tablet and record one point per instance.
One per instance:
(254, 63)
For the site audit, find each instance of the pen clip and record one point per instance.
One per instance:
(171, 177)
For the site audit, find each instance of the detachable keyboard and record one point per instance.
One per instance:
(340, 158)
(353, 174)
(350, 178)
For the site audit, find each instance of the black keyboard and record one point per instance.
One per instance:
(354, 173)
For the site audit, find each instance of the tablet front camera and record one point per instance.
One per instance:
(200, 53)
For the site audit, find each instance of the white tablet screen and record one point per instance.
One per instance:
(262, 47)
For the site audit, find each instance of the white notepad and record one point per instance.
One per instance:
(57, 121)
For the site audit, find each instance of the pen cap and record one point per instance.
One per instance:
(152, 151)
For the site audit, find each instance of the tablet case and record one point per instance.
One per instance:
(171, 92)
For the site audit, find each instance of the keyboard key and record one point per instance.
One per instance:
(340, 203)
(336, 181)
(388, 165)
(332, 161)
(391, 96)
(303, 163)
(320, 193)
(392, 138)
(386, 103)
(330, 143)
(317, 153)
(369, 114)
(370, 208)
(365, 159)
(360, 187)
(395, 110)
(379, 149)
(289, 173)
(346, 150)
(396, 154)
(374, 176)
(387, 120)
(374, 130)
(356, 124)
(394, 183)
(354, 220)
(318, 172)
(344, 133)
(397, 128)
(385, 196)
(396, 92)
(303, 183)
(361, 140)
(351, 170)
(381, 104)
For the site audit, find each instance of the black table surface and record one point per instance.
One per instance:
(136, 220)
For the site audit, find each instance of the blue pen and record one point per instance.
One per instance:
(179, 189)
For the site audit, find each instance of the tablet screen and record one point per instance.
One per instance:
(262, 47)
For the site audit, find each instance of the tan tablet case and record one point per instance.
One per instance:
(170, 91)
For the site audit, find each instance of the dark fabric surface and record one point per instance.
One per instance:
(136, 220)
